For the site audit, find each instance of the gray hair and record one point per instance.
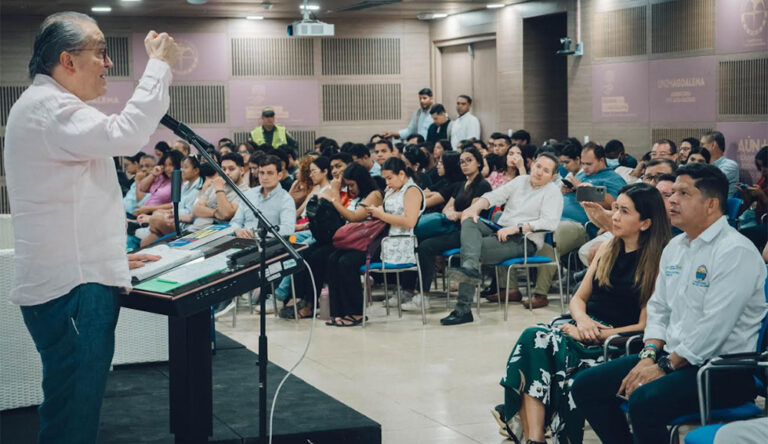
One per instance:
(59, 32)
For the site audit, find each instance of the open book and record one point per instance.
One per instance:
(169, 258)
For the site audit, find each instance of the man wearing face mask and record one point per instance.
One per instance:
(615, 156)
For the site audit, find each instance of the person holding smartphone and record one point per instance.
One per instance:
(610, 300)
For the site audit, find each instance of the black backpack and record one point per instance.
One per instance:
(324, 220)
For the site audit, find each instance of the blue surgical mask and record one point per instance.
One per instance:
(612, 163)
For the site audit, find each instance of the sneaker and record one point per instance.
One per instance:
(415, 303)
(221, 311)
(512, 429)
(405, 296)
(270, 302)
(466, 275)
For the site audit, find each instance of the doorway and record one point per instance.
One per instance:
(471, 69)
(545, 78)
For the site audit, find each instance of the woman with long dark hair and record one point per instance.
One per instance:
(451, 177)
(363, 192)
(158, 184)
(610, 300)
(473, 186)
(511, 165)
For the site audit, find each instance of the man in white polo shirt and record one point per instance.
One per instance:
(68, 217)
(708, 301)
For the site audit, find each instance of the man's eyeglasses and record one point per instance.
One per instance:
(651, 177)
(101, 51)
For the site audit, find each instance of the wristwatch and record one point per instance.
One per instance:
(664, 364)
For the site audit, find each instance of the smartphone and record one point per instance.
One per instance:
(590, 194)
(620, 396)
(743, 186)
(567, 183)
(490, 223)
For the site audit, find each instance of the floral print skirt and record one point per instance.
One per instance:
(543, 364)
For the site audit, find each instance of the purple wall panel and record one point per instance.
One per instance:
(741, 25)
(743, 140)
(113, 102)
(620, 92)
(295, 102)
(682, 90)
(203, 56)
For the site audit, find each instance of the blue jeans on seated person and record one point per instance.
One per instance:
(653, 405)
(283, 291)
(75, 336)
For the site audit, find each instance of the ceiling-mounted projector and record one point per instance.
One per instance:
(310, 28)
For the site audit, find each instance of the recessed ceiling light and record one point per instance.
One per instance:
(439, 15)
(254, 17)
(495, 5)
(101, 9)
(196, 2)
(311, 7)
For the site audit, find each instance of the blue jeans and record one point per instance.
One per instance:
(75, 336)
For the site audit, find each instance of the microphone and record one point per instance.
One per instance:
(176, 186)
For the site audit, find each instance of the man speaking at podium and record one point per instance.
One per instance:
(67, 211)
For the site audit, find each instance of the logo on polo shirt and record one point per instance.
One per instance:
(672, 270)
(701, 276)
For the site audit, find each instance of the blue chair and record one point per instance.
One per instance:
(386, 268)
(733, 205)
(527, 262)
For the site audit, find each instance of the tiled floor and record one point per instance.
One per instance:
(423, 384)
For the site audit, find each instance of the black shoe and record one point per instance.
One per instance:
(455, 318)
(489, 290)
(465, 275)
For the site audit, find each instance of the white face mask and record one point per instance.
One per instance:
(612, 163)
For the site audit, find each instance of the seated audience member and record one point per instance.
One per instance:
(182, 147)
(135, 197)
(480, 146)
(161, 222)
(328, 148)
(685, 147)
(664, 149)
(751, 431)
(499, 144)
(450, 177)
(615, 155)
(293, 157)
(531, 203)
(439, 148)
(438, 130)
(302, 186)
(416, 160)
(698, 155)
(226, 148)
(465, 194)
(253, 169)
(362, 155)
(285, 179)
(270, 198)
(511, 164)
(611, 300)
(219, 202)
(224, 141)
(383, 150)
(521, 137)
(757, 196)
(320, 173)
(158, 184)
(708, 301)
(319, 143)
(570, 158)
(403, 203)
(363, 192)
(414, 139)
(245, 150)
(161, 148)
(339, 163)
(714, 142)
(131, 167)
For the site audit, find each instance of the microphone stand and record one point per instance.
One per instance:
(204, 148)
(175, 198)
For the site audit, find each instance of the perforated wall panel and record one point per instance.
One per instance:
(8, 95)
(272, 57)
(743, 87)
(379, 56)
(198, 103)
(119, 49)
(620, 33)
(361, 102)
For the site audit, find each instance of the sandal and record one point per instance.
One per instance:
(352, 322)
(333, 322)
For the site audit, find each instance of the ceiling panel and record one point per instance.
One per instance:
(278, 9)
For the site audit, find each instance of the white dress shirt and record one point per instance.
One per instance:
(540, 207)
(464, 127)
(66, 203)
(419, 124)
(709, 297)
